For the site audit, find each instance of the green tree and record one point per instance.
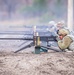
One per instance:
(40, 4)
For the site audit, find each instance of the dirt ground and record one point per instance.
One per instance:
(51, 63)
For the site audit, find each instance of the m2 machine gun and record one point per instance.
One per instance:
(37, 37)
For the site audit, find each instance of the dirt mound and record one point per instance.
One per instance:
(51, 63)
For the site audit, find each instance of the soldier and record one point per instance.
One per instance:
(66, 41)
(52, 27)
(60, 25)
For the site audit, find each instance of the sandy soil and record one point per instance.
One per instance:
(51, 63)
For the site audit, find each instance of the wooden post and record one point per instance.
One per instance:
(70, 15)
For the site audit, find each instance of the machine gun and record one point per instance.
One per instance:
(35, 36)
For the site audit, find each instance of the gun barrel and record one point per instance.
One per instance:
(16, 38)
(16, 33)
(42, 38)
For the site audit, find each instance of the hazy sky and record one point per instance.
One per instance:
(45, 10)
